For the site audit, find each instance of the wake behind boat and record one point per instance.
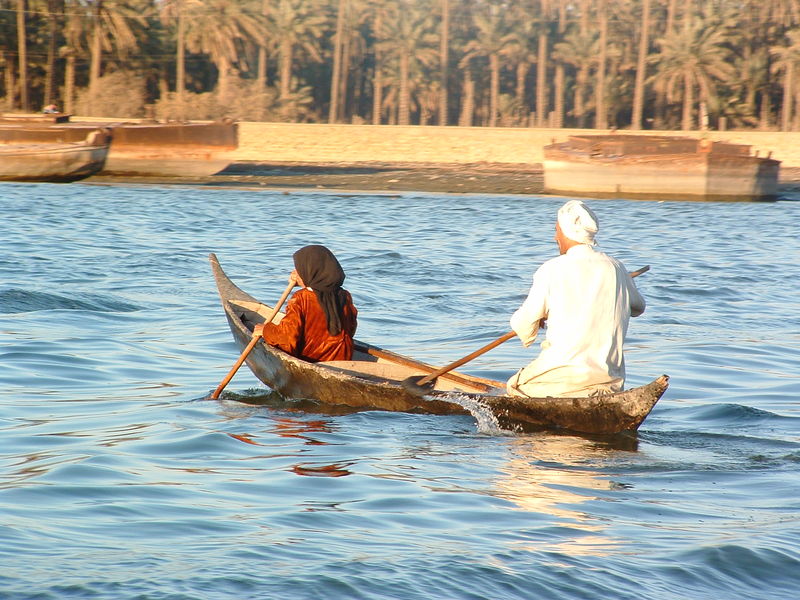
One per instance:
(373, 380)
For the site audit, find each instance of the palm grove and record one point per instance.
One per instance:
(667, 64)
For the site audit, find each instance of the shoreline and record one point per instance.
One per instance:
(450, 178)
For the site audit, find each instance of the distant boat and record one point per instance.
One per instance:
(55, 162)
(138, 149)
(658, 168)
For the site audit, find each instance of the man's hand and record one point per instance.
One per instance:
(258, 330)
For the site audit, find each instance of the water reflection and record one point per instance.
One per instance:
(334, 470)
(554, 475)
(300, 429)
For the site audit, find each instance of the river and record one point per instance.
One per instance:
(119, 480)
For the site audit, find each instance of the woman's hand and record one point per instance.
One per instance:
(295, 279)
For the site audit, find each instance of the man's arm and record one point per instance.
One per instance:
(525, 320)
(638, 303)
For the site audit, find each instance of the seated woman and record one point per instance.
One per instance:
(320, 319)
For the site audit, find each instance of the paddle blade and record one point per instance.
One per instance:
(418, 385)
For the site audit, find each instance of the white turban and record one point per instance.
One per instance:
(578, 222)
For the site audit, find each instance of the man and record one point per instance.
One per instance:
(587, 298)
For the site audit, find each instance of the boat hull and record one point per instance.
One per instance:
(373, 381)
(663, 169)
(55, 162)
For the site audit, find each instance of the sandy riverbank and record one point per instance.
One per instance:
(474, 178)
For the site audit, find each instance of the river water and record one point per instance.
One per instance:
(118, 480)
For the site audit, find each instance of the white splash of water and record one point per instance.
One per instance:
(485, 419)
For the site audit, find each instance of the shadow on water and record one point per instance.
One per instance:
(486, 422)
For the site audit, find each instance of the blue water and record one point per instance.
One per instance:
(117, 480)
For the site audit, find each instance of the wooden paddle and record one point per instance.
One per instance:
(253, 342)
(419, 384)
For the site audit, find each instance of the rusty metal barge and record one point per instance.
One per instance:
(138, 149)
(656, 167)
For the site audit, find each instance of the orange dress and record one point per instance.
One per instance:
(303, 331)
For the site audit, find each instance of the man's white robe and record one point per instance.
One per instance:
(587, 298)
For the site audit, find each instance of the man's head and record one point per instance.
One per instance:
(576, 224)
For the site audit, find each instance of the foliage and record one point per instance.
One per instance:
(120, 94)
(507, 60)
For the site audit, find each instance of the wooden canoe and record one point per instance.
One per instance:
(372, 381)
(55, 162)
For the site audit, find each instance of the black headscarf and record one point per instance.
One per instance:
(319, 270)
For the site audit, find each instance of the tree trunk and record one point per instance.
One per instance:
(541, 82)
(22, 53)
(261, 74)
(223, 81)
(444, 57)
(560, 71)
(601, 117)
(494, 87)
(377, 86)
(794, 126)
(69, 84)
(468, 100)
(766, 111)
(50, 69)
(559, 96)
(180, 75)
(786, 110)
(404, 101)
(522, 76)
(641, 68)
(672, 9)
(688, 101)
(333, 109)
(347, 61)
(285, 69)
(96, 57)
(580, 87)
(10, 83)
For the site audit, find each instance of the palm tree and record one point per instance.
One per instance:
(377, 80)
(560, 78)
(522, 53)
(174, 12)
(22, 55)
(787, 61)
(338, 40)
(692, 59)
(263, 48)
(579, 51)
(444, 59)
(299, 24)
(217, 28)
(641, 67)
(494, 38)
(408, 37)
(601, 114)
(113, 23)
(546, 13)
(75, 32)
(55, 13)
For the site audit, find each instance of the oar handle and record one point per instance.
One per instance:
(490, 345)
(466, 359)
(252, 343)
